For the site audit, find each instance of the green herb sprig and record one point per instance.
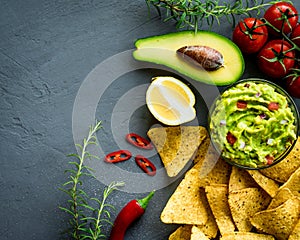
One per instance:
(193, 13)
(86, 221)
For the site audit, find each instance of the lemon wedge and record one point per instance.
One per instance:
(170, 101)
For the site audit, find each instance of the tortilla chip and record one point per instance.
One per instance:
(213, 169)
(268, 184)
(240, 179)
(217, 195)
(186, 205)
(244, 204)
(281, 196)
(293, 183)
(210, 228)
(295, 235)
(197, 234)
(279, 221)
(205, 150)
(218, 174)
(246, 236)
(181, 233)
(177, 145)
(284, 169)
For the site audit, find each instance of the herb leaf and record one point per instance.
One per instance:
(192, 13)
(83, 226)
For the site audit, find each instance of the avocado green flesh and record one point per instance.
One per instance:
(259, 132)
(162, 50)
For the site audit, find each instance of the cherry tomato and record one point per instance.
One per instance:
(283, 16)
(270, 159)
(231, 139)
(273, 106)
(276, 58)
(293, 85)
(250, 35)
(241, 104)
(295, 35)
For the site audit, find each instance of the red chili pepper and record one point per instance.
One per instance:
(138, 141)
(131, 212)
(117, 156)
(146, 165)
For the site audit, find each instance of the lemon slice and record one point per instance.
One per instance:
(170, 101)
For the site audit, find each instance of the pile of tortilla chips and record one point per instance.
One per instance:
(218, 201)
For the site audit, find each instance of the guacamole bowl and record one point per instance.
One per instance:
(253, 124)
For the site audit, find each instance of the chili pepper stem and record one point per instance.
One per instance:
(130, 213)
(144, 201)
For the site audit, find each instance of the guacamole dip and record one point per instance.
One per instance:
(252, 124)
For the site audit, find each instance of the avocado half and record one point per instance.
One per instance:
(162, 50)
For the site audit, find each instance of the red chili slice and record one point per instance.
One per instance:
(231, 139)
(241, 104)
(145, 164)
(138, 141)
(117, 156)
(273, 106)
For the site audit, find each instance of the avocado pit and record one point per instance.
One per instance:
(208, 58)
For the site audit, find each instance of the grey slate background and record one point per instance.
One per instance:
(47, 48)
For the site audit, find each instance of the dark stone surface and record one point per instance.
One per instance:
(47, 49)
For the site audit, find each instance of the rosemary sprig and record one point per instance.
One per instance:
(95, 223)
(83, 226)
(193, 13)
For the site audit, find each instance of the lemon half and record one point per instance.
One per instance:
(170, 101)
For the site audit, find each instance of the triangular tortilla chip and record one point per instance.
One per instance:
(245, 203)
(186, 205)
(212, 168)
(217, 196)
(246, 236)
(293, 183)
(281, 196)
(295, 235)
(268, 184)
(197, 234)
(284, 169)
(240, 179)
(205, 150)
(181, 233)
(210, 228)
(279, 221)
(219, 173)
(176, 145)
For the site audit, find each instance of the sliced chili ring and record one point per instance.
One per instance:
(118, 156)
(138, 141)
(145, 164)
